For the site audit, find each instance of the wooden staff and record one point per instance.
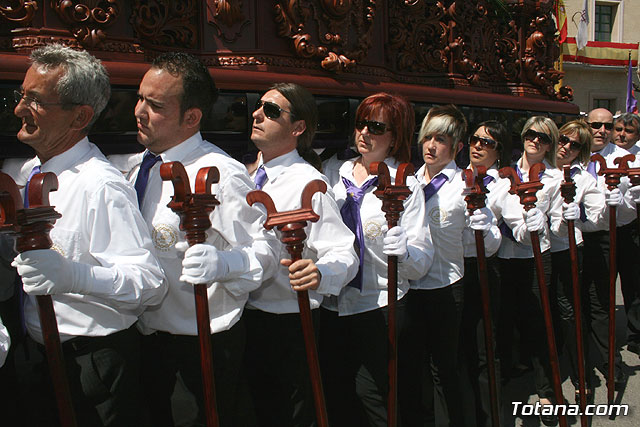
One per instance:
(612, 179)
(392, 197)
(475, 198)
(291, 225)
(32, 226)
(568, 192)
(527, 193)
(193, 210)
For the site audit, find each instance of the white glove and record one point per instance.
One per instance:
(570, 211)
(534, 219)
(613, 197)
(202, 264)
(395, 242)
(634, 192)
(46, 272)
(480, 219)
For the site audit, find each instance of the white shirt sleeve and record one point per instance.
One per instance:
(5, 341)
(419, 242)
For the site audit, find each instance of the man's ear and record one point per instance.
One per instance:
(192, 117)
(459, 146)
(84, 114)
(299, 126)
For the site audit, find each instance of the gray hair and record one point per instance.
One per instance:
(629, 118)
(85, 81)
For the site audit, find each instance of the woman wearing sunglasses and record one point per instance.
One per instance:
(520, 301)
(353, 339)
(587, 210)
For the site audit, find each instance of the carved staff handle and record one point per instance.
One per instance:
(193, 210)
(392, 197)
(568, 192)
(475, 194)
(527, 193)
(32, 226)
(291, 225)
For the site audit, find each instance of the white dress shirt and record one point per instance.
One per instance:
(498, 191)
(236, 227)
(548, 201)
(374, 276)
(100, 226)
(329, 241)
(626, 212)
(5, 341)
(592, 199)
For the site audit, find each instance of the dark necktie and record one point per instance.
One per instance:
(261, 177)
(148, 161)
(488, 179)
(350, 213)
(434, 185)
(591, 168)
(34, 171)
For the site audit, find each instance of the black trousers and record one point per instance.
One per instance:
(277, 369)
(595, 280)
(628, 258)
(354, 355)
(430, 342)
(165, 355)
(472, 336)
(520, 304)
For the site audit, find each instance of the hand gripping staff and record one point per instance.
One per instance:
(568, 192)
(527, 193)
(392, 197)
(32, 226)
(291, 225)
(475, 197)
(612, 179)
(194, 209)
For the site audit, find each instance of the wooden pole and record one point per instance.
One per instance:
(475, 198)
(392, 197)
(291, 225)
(194, 210)
(32, 226)
(527, 193)
(568, 191)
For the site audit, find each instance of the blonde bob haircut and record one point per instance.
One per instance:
(547, 126)
(582, 130)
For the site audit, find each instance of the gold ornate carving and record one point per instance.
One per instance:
(18, 11)
(227, 15)
(168, 23)
(87, 19)
(344, 30)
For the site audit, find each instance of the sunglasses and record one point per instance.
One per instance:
(574, 145)
(375, 128)
(271, 110)
(598, 125)
(543, 138)
(485, 142)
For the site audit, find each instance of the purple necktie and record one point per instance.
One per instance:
(148, 161)
(350, 213)
(434, 185)
(34, 171)
(488, 179)
(261, 177)
(591, 168)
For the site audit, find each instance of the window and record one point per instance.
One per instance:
(608, 103)
(605, 15)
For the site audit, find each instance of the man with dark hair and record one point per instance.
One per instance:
(174, 96)
(101, 271)
(284, 124)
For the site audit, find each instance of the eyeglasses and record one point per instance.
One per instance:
(33, 103)
(574, 145)
(598, 125)
(485, 142)
(543, 138)
(375, 128)
(271, 110)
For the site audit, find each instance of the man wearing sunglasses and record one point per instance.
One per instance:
(284, 123)
(626, 132)
(174, 96)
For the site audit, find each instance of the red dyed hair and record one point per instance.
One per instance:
(399, 116)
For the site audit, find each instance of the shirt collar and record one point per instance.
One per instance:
(64, 161)
(179, 152)
(346, 169)
(449, 171)
(275, 167)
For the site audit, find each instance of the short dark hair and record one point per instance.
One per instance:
(399, 112)
(199, 89)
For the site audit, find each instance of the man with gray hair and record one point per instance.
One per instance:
(626, 132)
(101, 271)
